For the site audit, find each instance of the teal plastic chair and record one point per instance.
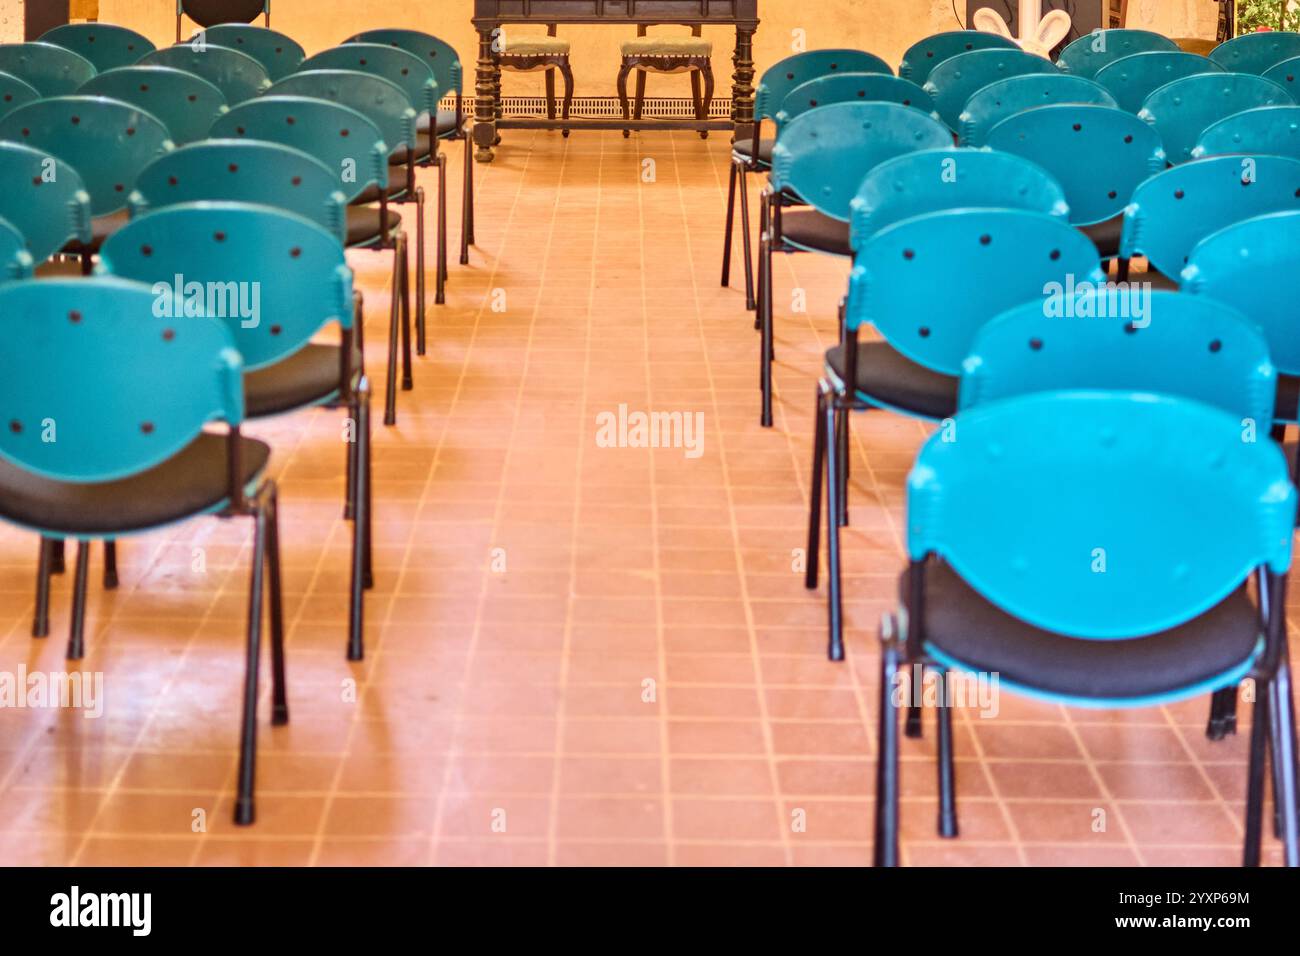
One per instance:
(1131, 79)
(105, 45)
(211, 13)
(1093, 52)
(1009, 530)
(350, 145)
(46, 200)
(994, 103)
(1184, 109)
(291, 281)
(15, 261)
(134, 394)
(934, 180)
(956, 79)
(1256, 52)
(279, 54)
(923, 56)
(237, 75)
(927, 285)
(753, 153)
(1174, 210)
(822, 157)
(1098, 154)
(1265, 130)
(50, 69)
(852, 88)
(1286, 74)
(15, 92)
(186, 103)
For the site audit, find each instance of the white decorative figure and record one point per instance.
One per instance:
(1038, 33)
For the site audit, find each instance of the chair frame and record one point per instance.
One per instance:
(645, 63)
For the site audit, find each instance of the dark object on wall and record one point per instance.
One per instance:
(43, 15)
(1087, 15)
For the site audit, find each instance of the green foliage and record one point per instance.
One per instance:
(1253, 14)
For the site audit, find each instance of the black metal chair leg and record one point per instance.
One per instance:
(279, 688)
(947, 768)
(730, 228)
(1271, 731)
(350, 493)
(469, 185)
(403, 257)
(110, 565)
(1223, 714)
(360, 529)
(244, 813)
(58, 563)
(1259, 743)
(834, 606)
(765, 345)
(41, 618)
(419, 268)
(1284, 753)
(77, 630)
(886, 849)
(764, 262)
(912, 726)
(815, 494)
(394, 335)
(745, 242)
(368, 519)
(441, 291)
(842, 476)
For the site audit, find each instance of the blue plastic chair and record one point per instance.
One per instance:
(852, 88)
(105, 45)
(927, 284)
(15, 92)
(1271, 130)
(1285, 75)
(822, 158)
(1031, 558)
(1174, 210)
(279, 54)
(15, 261)
(923, 56)
(292, 281)
(1132, 79)
(995, 102)
(237, 75)
(1094, 51)
(186, 103)
(1256, 52)
(905, 186)
(1097, 153)
(955, 80)
(46, 200)
(50, 69)
(132, 393)
(1184, 109)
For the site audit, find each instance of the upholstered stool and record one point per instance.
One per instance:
(532, 52)
(668, 54)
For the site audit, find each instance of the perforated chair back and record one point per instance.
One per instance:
(439, 54)
(244, 170)
(923, 56)
(1132, 79)
(272, 278)
(15, 261)
(1286, 75)
(210, 13)
(383, 102)
(1098, 154)
(955, 80)
(105, 45)
(1256, 52)
(925, 283)
(126, 388)
(50, 69)
(14, 92)
(995, 102)
(107, 141)
(852, 88)
(237, 75)
(1267, 129)
(1094, 51)
(406, 70)
(186, 103)
(1186, 108)
(824, 154)
(45, 199)
(937, 179)
(780, 79)
(279, 54)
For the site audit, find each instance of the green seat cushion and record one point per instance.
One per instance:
(668, 46)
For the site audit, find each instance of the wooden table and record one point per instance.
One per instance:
(491, 15)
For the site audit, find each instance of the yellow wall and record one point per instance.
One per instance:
(886, 27)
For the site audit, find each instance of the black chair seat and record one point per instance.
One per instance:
(1105, 235)
(101, 227)
(1159, 281)
(1287, 407)
(370, 195)
(446, 123)
(307, 377)
(744, 148)
(364, 225)
(887, 376)
(813, 230)
(423, 150)
(965, 627)
(59, 269)
(191, 482)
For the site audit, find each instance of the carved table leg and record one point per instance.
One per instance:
(742, 90)
(485, 127)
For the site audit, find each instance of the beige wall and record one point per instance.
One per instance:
(11, 21)
(886, 27)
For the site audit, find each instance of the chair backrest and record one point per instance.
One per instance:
(124, 388)
(237, 75)
(1042, 494)
(1098, 154)
(1186, 108)
(14, 92)
(439, 54)
(210, 13)
(186, 103)
(923, 56)
(1174, 210)
(994, 103)
(107, 141)
(244, 170)
(103, 44)
(956, 79)
(1093, 51)
(344, 140)
(778, 80)
(44, 199)
(937, 179)
(824, 154)
(927, 283)
(1121, 339)
(1132, 79)
(15, 261)
(385, 103)
(51, 69)
(273, 278)
(406, 70)
(1265, 129)
(279, 54)
(1254, 266)
(1256, 52)
(1286, 74)
(852, 88)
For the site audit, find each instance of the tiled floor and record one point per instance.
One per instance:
(576, 654)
